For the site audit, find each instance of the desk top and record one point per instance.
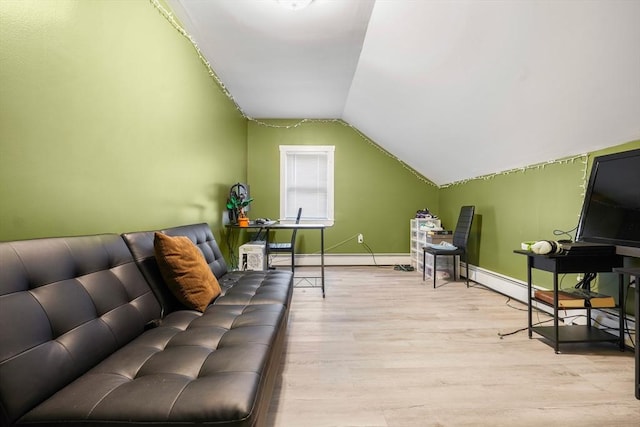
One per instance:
(307, 226)
(253, 224)
(278, 225)
(571, 263)
(563, 255)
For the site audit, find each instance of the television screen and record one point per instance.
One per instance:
(611, 210)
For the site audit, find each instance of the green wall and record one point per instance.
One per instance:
(108, 122)
(374, 194)
(520, 206)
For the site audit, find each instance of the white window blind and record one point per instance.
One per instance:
(306, 181)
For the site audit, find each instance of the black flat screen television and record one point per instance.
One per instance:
(611, 210)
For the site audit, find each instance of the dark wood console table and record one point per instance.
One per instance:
(561, 264)
(635, 272)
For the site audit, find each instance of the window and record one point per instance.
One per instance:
(306, 181)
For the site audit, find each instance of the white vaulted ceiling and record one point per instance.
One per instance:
(455, 89)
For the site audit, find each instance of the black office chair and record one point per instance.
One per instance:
(287, 247)
(460, 240)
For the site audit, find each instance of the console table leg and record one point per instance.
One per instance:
(622, 311)
(637, 350)
(529, 308)
(556, 328)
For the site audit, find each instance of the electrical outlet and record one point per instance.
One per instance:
(360, 238)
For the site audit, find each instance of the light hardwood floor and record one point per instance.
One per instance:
(386, 349)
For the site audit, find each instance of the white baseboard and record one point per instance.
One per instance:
(340, 259)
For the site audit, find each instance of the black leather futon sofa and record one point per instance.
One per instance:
(90, 335)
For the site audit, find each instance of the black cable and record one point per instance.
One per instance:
(604, 327)
(232, 237)
(564, 319)
(538, 311)
(550, 320)
(523, 329)
(585, 283)
(372, 255)
(565, 233)
(515, 308)
(403, 267)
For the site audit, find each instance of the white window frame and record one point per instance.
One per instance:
(322, 150)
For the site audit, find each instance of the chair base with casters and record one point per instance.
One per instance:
(460, 240)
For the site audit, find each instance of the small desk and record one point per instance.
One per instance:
(321, 227)
(279, 226)
(636, 273)
(560, 264)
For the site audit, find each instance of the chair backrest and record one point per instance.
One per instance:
(295, 230)
(463, 227)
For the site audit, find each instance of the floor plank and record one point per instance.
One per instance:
(385, 349)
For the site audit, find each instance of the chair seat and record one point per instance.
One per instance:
(436, 251)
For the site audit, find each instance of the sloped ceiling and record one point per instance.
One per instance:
(455, 89)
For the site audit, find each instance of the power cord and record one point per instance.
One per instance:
(231, 239)
(523, 329)
(372, 255)
(347, 240)
(565, 233)
(515, 308)
(326, 250)
(585, 283)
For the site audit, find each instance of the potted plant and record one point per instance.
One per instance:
(236, 204)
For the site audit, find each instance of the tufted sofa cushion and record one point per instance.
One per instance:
(65, 305)
(84, 340)
(211, 369)
(238, 288)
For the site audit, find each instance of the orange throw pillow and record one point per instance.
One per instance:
(185, 271)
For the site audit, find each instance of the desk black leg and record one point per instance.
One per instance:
(556, 328)
(529, 308)
(266, 249)
(322, 259)
(637, 350)
(621, 313)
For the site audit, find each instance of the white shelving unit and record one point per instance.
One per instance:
(420, 228)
